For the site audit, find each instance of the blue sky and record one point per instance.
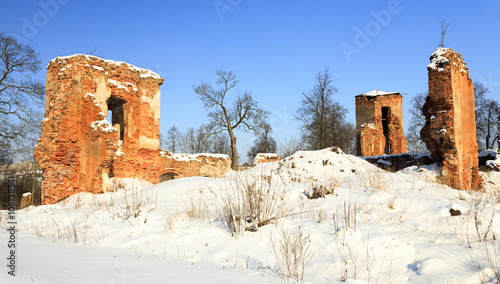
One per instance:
(274, 47)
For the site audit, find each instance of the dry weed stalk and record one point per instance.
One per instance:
(377, 182)
(135, 200)
(292, 252)
(345, 220)
(322, 190)
(480, 237)
(349, 258)
(390, 205)
(197, 209)
(252, 201)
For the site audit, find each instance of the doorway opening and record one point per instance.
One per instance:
(386, 113)
(115, 110)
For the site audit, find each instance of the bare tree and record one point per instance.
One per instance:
(6, 157)
(244, 112)
(346, 137)
(198, 140)
(19, 94)
(220, 144)
(487, 117)
(323, 119)
(163, 142)
(264, 143)
(195, 141)
(290, 146)
(444, 27)
(173, 137)
(417, 121)
(93, 51)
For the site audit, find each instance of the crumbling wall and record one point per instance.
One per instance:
(369, 138)
(394, 163)
(450, 129)
(79, 150)
(373, 110)
(187, 165)
(261, 158)
(78, 146)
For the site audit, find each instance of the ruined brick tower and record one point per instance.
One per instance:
(79, 150)
(379, 124)
(450, 128)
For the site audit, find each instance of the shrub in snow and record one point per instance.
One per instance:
(292, 252)
(321, 190)
(252, 201)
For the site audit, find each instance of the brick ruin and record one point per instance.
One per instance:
(189, 165)
(265, 158)
(79, 150)
(379, 124)
(450, 129)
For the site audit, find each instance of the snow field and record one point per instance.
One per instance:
(255, 226)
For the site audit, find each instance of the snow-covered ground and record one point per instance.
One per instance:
(370, 227)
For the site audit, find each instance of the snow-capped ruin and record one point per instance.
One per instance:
(450, 128)
(379, 123)
(80, 150)
(265, 158)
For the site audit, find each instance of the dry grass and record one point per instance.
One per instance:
(345, 219)
(135, 200)
(322, 190)
(124, 201)
(348, 261)
(480, 218)
(75, 230)
(252, 201)
(485, 258)
(292, 252)
(377, 182)
(476, 232)
(483, 244)
(170, 219)
(196, 207)
(390, 205)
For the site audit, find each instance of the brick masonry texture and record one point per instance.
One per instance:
(450, 129)
(265, 158)
(380, 133)
(80, 150)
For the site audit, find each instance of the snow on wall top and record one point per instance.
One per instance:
(144, 73)
(104, 125)
(267, 155)
(437, 58)
(376, 93)
(488, 153)
(371, 125)
(190, 157)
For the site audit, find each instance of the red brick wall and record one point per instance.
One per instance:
(78, 151)
(450, 129)
(371, 139)
(261, 158)
(186, 165)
